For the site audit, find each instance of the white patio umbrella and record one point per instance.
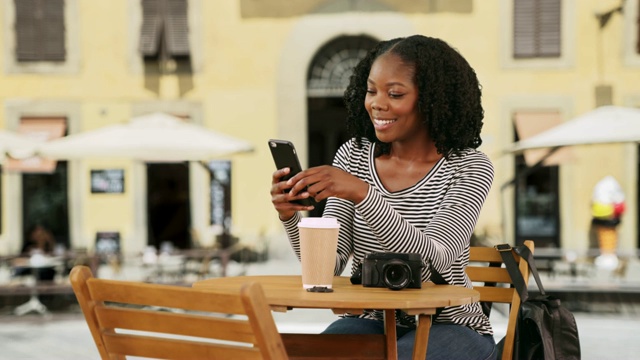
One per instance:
(606, 124)
(15, 145)
(154, 137)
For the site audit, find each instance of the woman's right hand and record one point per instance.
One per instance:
(281, 198)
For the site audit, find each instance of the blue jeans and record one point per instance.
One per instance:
(446, 341)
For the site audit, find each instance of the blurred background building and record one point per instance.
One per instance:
(261, 69)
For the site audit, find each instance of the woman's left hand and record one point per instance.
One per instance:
(326, 181)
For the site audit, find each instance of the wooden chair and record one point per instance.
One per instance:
(175, 322)
(496, 286)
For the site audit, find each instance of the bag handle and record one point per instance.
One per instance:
(506, 252)
(526, 254)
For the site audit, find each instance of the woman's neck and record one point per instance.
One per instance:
(415, 152)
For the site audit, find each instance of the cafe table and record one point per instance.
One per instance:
(285, 292)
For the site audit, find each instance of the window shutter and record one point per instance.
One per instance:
(26, 30)
(524, 28)
(150, 33)
(177, 28)
(638, 30)
(53, 46)
(40, 32)
(536, 28)
(164, 23)
(549, 28)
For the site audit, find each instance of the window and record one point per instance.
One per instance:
(38, 129)
(536, 28)
(537, 197)
(165, 30)
(40, 30)
(44, 186)
(332, 66)
(531, 123)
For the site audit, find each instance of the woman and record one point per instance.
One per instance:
(409, 180)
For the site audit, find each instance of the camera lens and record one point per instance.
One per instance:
(396, 274)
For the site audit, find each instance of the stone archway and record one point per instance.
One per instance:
(327, 78)
(332, 65)
(307, 37)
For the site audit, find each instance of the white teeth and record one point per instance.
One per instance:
(382, 122)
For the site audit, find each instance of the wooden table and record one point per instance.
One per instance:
(284, 292)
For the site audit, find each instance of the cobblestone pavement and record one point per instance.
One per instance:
(607, 333)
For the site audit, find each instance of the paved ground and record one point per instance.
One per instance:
(609, 332)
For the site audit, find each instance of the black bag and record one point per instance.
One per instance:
(545, 329)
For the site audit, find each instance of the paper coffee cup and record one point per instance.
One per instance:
(318, 250)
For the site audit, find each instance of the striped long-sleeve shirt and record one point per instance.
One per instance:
(435, 218)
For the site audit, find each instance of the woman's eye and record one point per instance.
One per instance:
(395, 95)
(371, 91)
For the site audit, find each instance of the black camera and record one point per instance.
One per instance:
(395, 271)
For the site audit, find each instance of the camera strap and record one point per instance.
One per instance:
(436, 277)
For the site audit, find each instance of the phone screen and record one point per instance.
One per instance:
(284, 155)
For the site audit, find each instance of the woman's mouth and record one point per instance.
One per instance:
(382, 123)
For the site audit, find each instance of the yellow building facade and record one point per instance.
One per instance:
(248, 72)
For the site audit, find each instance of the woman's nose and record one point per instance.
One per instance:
(377, 106)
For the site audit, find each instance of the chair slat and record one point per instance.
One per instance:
(484, 254)
(179, 297)
(131, 318)
(479, 271)
(213, 327)
(495, 294)
(487, 254)
(135, 345)
(489, 274)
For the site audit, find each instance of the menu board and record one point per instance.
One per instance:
(107, 181)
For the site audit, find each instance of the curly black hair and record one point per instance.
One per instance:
(449, 94)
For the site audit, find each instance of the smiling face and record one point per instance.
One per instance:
(392, 100)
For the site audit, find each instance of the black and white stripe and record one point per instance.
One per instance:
(435, 217)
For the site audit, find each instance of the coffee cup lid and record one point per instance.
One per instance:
(319, 222)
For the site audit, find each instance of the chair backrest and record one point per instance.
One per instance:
(486, 266)
(175, 322)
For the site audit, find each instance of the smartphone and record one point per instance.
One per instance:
(284, 155)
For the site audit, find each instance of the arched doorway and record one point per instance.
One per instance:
(327, 78)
